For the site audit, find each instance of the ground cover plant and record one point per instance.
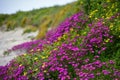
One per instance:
(85, 46)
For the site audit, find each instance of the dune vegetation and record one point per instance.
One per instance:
(84, 46)
(42, 19)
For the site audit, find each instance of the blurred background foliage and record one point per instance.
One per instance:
(39, 19)
(47, 18)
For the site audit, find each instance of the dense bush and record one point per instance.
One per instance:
(80, 48)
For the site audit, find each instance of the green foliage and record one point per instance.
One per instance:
(24, 21)
(29, 28)
(44, 26)
(3, 17)
(10, 25)
(117, 58)
(45, 17)
(49, 17)
(6, 53)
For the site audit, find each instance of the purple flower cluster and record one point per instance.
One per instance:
(31, 46)
(97, 38)
(53, 35)
(16, 74)
(3, 72)
(26, 45)
(70, 60)
(76, 21)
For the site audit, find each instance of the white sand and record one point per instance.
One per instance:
(10, 39)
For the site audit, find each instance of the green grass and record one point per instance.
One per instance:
(38, 17)
(29, 29)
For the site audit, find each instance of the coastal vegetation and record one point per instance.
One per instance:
(84, 46)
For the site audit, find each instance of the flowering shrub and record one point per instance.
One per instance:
(78, 49)
(97, 38)
(69, 61)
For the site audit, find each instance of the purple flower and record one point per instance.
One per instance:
(105, 72)
(91, 76)
(111, 62)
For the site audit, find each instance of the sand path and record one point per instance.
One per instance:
(10, 39)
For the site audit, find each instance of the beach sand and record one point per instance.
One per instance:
(11, 38)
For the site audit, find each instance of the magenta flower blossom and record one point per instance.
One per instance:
(71, 58)
(105, 72)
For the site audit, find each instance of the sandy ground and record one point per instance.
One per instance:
(10, 39)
